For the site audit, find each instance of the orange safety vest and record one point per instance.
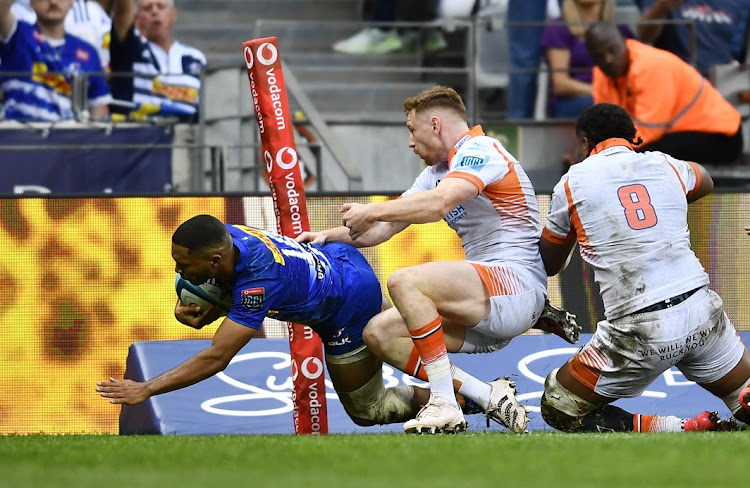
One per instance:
(663, 94)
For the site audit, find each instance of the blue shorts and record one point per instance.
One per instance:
(360, 299)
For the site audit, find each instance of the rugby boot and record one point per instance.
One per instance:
(439, 416)
(559, 322)
(705, 421)
(504, 407)
(745, 399)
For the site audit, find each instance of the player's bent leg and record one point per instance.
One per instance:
(358, 381)
(738, 399)
(562, 409)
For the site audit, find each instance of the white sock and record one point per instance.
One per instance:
(473, 389)
(441, 380)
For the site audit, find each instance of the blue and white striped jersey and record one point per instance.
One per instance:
(35, 74)
(166, 83)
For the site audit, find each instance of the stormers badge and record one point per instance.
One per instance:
(252, 298)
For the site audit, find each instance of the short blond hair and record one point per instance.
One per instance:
(436, 97)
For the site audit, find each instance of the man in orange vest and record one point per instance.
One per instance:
(675, 110)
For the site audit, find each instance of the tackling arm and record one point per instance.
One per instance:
(230, 337)
(419, 208)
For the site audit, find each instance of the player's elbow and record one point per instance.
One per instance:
(216, 359)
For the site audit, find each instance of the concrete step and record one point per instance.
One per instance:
(218, 12)
(362, 98)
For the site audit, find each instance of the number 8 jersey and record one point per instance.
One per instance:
(628, 212)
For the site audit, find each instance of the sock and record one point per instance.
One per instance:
(414, 365)
(657, 423)
(472, 388)
(430, 344)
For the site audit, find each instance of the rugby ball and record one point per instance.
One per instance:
(204, 295)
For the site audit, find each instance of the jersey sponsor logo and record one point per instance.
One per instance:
(472, 161)
(175, 92)
(706, 14)
(265, 240)
(455, 215)
(191, 66)
(462, 141)
(82, 54)
(252, 298)
(340, 342)
(58, 83)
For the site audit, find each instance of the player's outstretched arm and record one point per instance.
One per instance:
(230, 337)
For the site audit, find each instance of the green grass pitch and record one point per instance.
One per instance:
(496, 459)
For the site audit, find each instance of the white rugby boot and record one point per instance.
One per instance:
(439, 416)
(504, 407)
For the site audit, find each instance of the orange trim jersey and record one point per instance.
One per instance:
(663, 94)
(628, 212)
(502, 223)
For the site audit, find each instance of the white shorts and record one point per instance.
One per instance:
(626, 355)
(516, 302)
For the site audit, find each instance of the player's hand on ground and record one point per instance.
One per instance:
(194, 316)
(128, 392)
(356, 218)
(747, 229)
(312, 237)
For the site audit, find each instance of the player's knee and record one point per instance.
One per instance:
(561, 408)
(372, 336)
(373, 404)
(740, 407)
(401, 279)
(554, 417)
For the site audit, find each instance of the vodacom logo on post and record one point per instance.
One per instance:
(312, 368)
(286, 158)
(266, 53)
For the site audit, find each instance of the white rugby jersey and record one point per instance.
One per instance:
(502, 224)
(628, 211)
(168, 83)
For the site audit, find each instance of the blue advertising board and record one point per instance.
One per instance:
(253, 394)
(86, 160)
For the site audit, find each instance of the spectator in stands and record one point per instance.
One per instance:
(165, 77)
(41, 60)
(525, 26)
(86, 19)
(567, 57)
(674, 108)
(384, 40)
(720, 29)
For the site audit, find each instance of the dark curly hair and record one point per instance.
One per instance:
(604, 121)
